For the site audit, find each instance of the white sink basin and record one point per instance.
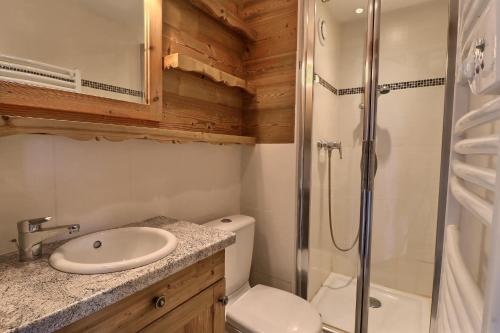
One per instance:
(113, 250)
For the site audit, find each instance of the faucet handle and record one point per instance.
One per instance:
(32, 225)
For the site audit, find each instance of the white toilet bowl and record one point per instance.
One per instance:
(260, 309)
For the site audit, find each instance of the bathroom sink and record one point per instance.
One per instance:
(113, 250)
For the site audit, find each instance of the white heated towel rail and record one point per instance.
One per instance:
(487, 145)
(464, 172)
(485, 114)
(26, 71)
(461, 301)
(479, 207)
(480, 176)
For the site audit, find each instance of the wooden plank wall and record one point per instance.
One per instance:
(271, 67)
(190, 101)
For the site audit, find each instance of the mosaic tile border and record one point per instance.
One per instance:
(325, 84)
(440, 81)
(111, 88)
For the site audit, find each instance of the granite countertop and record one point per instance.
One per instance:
(34, 297)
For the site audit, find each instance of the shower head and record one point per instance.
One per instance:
(384, 89)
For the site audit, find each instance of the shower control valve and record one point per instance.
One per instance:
(330, 146)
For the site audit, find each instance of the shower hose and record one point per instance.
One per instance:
(332, 235)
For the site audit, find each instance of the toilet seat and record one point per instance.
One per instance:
(269, 310)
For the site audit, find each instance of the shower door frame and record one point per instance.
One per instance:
(304, 109)
(304, 102)
(368, 165)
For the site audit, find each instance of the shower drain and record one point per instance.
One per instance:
(375, 303)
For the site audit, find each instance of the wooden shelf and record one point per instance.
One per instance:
(189, 64)
(216, 9)
(10, 125)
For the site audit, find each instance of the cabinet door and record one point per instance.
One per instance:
(203, 313)
(138, 310)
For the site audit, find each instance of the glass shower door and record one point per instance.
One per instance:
(357, 285)
(336, 149)
(410, 109)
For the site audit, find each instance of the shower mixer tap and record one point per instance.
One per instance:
(330, 146)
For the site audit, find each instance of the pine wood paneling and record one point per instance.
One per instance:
(271, 68)
(259, 8)
(81, 130)
(186, 63)
(188, 30)
(228, 17)
(192, 102)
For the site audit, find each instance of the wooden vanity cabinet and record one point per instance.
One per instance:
(204, 313)
(190, 301)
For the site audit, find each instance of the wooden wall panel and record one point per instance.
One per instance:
(188, 30)
(193, 102)
(271, 67)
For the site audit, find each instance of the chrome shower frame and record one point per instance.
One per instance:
(303, 133)
(453, 14)
(304, 107)
(368, 165)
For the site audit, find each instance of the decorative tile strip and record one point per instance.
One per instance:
(111, 88)
(326, 84)
(392, 86)
(417, 84)
(351, 91)
(440, 81)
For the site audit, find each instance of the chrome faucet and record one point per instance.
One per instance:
(30, 236)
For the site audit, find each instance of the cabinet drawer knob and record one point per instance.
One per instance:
(159, 301)
(223, 300)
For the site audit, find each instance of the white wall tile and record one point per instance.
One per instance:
(27, 181)
(101, 184)
(268, 194)
(409, 127)
(92, 183)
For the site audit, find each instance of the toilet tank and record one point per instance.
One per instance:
(239, 255)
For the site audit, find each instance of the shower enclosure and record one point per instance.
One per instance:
(370, 130)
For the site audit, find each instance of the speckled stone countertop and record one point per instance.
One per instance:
(37, 298)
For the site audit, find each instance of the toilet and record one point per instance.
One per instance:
(260, 309)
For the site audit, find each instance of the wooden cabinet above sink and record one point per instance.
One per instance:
(217, 71)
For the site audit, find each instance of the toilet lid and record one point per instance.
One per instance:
(269, 310)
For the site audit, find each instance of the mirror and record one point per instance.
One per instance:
(92, 47)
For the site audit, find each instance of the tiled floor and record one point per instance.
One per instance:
(400, 312)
